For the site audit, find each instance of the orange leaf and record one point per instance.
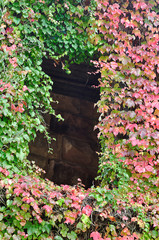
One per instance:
(112, 218)
(156, 112)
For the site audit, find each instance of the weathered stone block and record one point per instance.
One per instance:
(77, 152)
(39, 146)
(66, 104)
(50, 169)
(88, 110)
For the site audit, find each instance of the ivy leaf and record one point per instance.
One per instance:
(72, 235)
(58, 238)
(154, 234)
(1, 216)
(2, 226)
(96, 236)
(47, 208)
(16, 20)
(87, 210)
(130, 103)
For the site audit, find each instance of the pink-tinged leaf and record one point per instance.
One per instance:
(104, 214)
(19, 217)
(130, 103)
(87, 210)
(20, 108)
(69, 220)
(114, 65)
(146, 175)
(115, 131)
(9, 30)
(75, 205)
(149, 168)
(18, 191)
(2, 89)
(25, 207)
(140, 169)
(47, 208)
(1, 82)
(25, 88)
(136, 71)
(23, 222)
(125, 218)
(38, 218)
(35, 206)
(13, 61)
(4, 171)
(135, 235)
(10, 230)
(95, 236)
(125, 232)
(143, 5)
(70, 217)
(122, 225)
(24, 185)
(36, 192)
(25, 194)
(131, 127)
(143, 132)
(22, 234)
(136, 95)
(133, 219)
(28, 199)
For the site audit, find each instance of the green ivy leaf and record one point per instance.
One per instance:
(58, 238)
(72, 235)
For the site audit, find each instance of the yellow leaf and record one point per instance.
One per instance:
(156, 112)
(141, 223)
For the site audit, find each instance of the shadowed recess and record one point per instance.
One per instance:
(74, 151)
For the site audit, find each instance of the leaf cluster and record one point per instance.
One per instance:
(34, 208)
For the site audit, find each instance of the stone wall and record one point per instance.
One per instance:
(74, 151)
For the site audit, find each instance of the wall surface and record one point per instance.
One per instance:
(74, 151)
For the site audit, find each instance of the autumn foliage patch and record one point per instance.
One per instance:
(33, 208)
(129, 104)
(124, 34)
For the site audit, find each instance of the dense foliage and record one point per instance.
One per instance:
(29, 31)
(32, 208)
(129, 104)
(126, 205)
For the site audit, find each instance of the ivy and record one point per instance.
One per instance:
(124, 34)
(128, 106)
(129, 86)
(30, 31)
(31, 208)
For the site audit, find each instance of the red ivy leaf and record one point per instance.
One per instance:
(47, 208)
(96, 236)
(87, 210)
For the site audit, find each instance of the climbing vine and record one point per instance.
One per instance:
(30, 31)
(125, 36)
(129, 105)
